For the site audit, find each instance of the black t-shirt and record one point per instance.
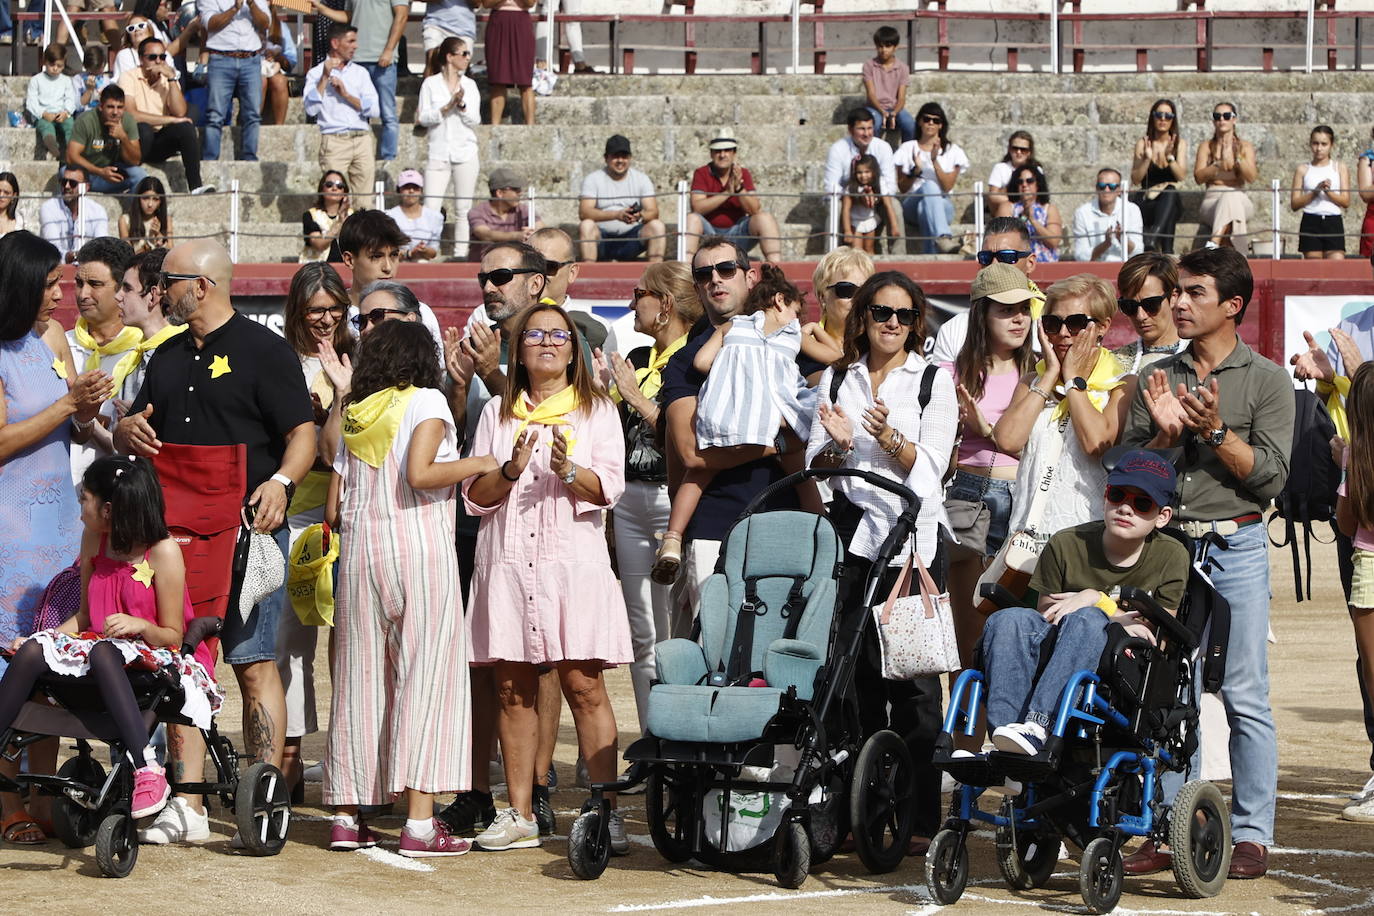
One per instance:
(729, 492)
(244, 385)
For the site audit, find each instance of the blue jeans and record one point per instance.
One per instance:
(931, 212)
(1244, 583)
(905, 123)
(133, 174)
(384, 79)
(991, 492)
(228, 78)
(1012, 643)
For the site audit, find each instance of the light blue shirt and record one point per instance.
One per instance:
(1360, 327)
(452, 16)
(331, 113)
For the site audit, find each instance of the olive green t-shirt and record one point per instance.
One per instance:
(1074, 560)
(101, 150)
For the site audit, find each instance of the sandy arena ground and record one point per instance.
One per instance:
(1320, 865)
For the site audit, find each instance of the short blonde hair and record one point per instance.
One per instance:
(836, 263)
(1096, 293)
(673, 281)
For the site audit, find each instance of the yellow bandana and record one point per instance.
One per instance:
(650, 378)
(134, 358)
(1104, 379)
(1037, 299)
(60, 367)
(124, 341)
(553, 411)
(370, 425)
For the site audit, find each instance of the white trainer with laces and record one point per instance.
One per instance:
(620, 841)
(509, 831)
(1361, 811)
(177, 823)
(1020, 738)
(1366, 792)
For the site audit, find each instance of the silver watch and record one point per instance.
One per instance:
(571, 474)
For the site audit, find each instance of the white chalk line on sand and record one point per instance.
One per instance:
(383, 857)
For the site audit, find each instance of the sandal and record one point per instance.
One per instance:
(22, 830)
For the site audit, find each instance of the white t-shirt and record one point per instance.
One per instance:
(426, 404)
(426, 228)
(910, 158)
(1001, 174)
(609, 194)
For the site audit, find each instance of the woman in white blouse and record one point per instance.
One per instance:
(451, 107)
(873, 419)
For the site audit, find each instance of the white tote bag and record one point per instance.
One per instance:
(916, 632)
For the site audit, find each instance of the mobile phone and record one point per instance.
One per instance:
(634, 207)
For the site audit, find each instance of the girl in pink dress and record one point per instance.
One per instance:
(134, 608)
(543, 593)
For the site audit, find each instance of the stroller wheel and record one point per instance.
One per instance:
(1029, 861)
(881, 804)
(791, 855)
(116, 847)
(1100, 875)
(668, 809)
(76, 824)
(262, 809)
(589, 845)
(947, 867)
(1200, 837)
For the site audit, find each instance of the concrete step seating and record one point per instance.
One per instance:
(784, 124)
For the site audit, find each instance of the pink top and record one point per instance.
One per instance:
(979, 451)
(114, 590)
(543, 589)
(1364, 538)
(886, 80)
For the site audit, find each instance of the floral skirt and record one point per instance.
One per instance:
(70, 656)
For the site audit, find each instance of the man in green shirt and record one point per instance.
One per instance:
(104, 142)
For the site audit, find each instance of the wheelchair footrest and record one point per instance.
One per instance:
(1023, 768)
(977, 770)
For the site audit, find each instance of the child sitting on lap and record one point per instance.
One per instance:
(1080, 574)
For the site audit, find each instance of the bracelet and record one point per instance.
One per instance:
(287, 484)
(503, 473)
(82, 426)
(833, 450)
(898, 443)
(1036, 389)
(570, 476)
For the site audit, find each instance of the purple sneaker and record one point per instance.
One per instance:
(347, 839)
(150, 791)
(440, 844)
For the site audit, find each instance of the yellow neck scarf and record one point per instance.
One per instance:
(1105, 378)
(370, 425)
(650, 378)
(552, 411)
(124, 341)
(134, 358)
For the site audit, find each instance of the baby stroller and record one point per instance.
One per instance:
(752, 755)
(94, 806)
(1097, 783)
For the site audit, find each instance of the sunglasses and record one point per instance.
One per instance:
(136, 27)
(640, 292)
(927, 119)
(553, 267)
(165, 280)
(462, 53)
(1223, 115)
(335, 186)
(1108, 185)
(538, 336)
(502, 275)
(1004, 255)
(337, 311)
(1019, 149)
(1162, 115)
(1139, 501)
(844, 289)
(71, 183)
(1023, 182)
(1053, 324)
(1151, 305)
(882, 314)
(154, 56)
(726, 269)
(376, 316)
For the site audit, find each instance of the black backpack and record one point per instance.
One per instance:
(1309, 494)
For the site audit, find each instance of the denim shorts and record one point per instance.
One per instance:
(737, 233)
(255, 639)
(623, 247)
(994, 493)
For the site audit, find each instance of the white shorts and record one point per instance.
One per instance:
(433, 36)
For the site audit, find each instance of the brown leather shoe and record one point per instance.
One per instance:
(1248, 860)
(1147, 860)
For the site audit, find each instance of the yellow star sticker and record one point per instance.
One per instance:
(59, 367)
(219, 366)
(143, 573)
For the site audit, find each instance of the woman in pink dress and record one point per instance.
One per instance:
(544, 594)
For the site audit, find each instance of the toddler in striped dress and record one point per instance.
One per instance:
(753, 392)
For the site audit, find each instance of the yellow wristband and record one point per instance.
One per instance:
(1108, 605)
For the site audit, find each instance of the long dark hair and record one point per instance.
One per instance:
(933, 109)
(319, 187)
(870, 161)
(394, 354)
(855, 329)
(14, 201)
(309, 280)
(1360, 459)
(1042, 184)
(1172, 132)
(136, 228)
(439, 55)
(971, 365)
(25, 262)
(137, 514)
(518, 377)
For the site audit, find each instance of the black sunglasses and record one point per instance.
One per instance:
(1163, 115)
(553, 267)
(1108, 185)
(71, 182)
(882, 314)
(1019, 149)
(502, 275)
(1223, 115)
(376, 316)
(1151, 305)
(1005, 255)
(154, 56)
(844, 289)
(1075, 323)
(726, 269)
(928, 119)
(1139, 501)
(165, 279)
(334, 186)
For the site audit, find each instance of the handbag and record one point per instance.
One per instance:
(969, 519)
(916, 632)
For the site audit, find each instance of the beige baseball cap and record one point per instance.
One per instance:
(1000, 283)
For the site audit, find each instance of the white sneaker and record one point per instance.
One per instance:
(1366, 792)
(177, 823)
(1362, 811)
(620, 841)
(1008, 786)
(509, 831)
(1020, 738)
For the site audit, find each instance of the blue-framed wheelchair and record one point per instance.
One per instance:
(753, 757)
(94, 807)
(1097, 783)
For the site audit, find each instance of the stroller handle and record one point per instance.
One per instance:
(913, 502)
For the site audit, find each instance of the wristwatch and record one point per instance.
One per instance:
(288, 484)
(570, 475)
(1079, 382)
(1216, 436)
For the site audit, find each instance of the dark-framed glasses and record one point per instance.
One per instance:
(1139, 501)
(1151, 305)
(554, 337)
(1053, 324)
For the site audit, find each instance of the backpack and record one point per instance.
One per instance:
(1309, 494)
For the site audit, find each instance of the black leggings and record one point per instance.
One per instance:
(107, 667)
(1160, 217)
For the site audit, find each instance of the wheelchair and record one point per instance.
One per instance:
(1098, 781)
(755, 717)
(94, 806)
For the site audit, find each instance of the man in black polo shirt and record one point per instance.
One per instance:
(228, 381)
(723, 279)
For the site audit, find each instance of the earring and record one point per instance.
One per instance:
(661, 321)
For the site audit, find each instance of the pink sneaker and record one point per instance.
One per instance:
(441, 844)
(150, 791)
(347, 839)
